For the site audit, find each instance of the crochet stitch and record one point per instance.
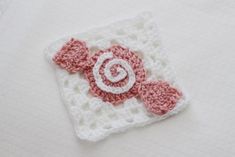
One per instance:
(116, 77)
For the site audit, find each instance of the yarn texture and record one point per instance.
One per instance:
(72, 56)
(124, 87)
(115, 77)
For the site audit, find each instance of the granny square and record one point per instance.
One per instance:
(115, 77)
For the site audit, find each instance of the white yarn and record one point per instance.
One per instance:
(94, 119)
(107, 71)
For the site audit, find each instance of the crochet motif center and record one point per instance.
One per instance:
(121, 74)
(117, 74)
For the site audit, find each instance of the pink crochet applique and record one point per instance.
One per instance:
(158, 96)
(117, 74)
(72, 56)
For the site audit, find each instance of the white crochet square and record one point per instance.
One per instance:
(94, 119)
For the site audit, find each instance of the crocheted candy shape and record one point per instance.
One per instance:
(117, 74)
(115, 77)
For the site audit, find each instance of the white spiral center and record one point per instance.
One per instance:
(125, 70)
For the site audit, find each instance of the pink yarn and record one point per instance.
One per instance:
(132, 59)
(72, 56)
(158, 96)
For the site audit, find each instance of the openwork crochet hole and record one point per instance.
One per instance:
(120, 32)
(129, 120)
(93, 126)
(81, 122)
(156, 44)
(98, 37)
(112, 116)
(133, 37)
(98, 112)
(66, 83)
(85, 106)
(107, 126)
(134, 111)
(76, 89)
(139, 25)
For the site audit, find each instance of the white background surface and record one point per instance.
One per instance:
(200, 38)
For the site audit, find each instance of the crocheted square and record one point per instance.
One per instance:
(115, 77)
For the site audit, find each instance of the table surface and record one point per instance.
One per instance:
(199, 37)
